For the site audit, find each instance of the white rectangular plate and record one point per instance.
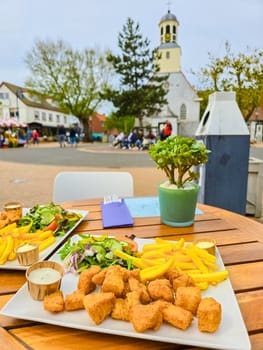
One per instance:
(231, 335)
(14, 265)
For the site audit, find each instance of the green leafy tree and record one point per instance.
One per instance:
(242, 73)
(124, 124)
(73, 79)
(141, 91)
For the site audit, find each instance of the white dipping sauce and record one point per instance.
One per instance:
(44, 275)
(205, 244)
(25, 248)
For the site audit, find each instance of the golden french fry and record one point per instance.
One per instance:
(46, 243)
(197, 261)
(204, 254)
(202, 285)
(150, 273)
(210, 277)
(7, 229)
(8, 249)
(3, 243)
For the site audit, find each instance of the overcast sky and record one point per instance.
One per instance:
(205, 25)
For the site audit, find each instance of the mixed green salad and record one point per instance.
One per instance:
(91, 250)
(50, 217)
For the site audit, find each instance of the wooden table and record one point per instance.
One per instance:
(238, 238)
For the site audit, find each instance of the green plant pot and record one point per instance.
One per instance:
(177, 206)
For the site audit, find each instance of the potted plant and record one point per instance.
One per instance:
(177, 156)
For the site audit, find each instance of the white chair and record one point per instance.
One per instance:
(74, 185)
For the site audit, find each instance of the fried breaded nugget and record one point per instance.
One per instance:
(136, 286)
(177, 316)
(135, 273)
(122, 307)
(161, 289)
(99, 277)
(121, 310)
(54, 302)
(99, 305)
(145, 317)
(3, 219)
(171, 274)
(188, 298)
(114, 281)
(85, 279)
(209, 315)
(133, 298)
(182, 280)
(74, 301)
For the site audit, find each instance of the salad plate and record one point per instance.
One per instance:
(14, 265)
(231, 335)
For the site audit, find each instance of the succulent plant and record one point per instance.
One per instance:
(176, 156)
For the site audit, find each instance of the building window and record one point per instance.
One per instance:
(183, 111)
(36, 115)
(4, 96)
(167, 29)
(161, 30)
(65, 119)
(58, 118)
(167, 54)
(43, 116)
(174, 34)
(50, 117)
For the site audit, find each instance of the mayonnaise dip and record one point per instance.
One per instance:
(44, 275)
(25, 248)
(204, 244)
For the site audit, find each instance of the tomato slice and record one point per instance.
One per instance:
(58, 216)
(52, 226)
(132, 243)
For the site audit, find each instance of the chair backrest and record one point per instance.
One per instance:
(74, 185)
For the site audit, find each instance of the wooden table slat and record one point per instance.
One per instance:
(246, 276)
(251, 307)
(7, 342)
(240, 253)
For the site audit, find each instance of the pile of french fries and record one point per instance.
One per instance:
(157, 258)
(12, 236)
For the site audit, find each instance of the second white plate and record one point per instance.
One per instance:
(231, 335)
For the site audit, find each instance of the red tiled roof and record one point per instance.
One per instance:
(257, 114)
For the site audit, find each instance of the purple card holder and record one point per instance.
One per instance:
(116, 214)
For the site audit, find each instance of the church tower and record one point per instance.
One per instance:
(170, 51)
(183, 106)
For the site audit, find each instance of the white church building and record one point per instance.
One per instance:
(183, 106)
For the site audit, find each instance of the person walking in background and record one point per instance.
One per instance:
(72, 136)
(35, 137)
(28, 136)
(2, 139)
(167, 131)
(61, 136)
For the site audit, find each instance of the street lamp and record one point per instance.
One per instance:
(17, 108)
(256, 126)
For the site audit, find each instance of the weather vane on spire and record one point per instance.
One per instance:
(168, 5)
